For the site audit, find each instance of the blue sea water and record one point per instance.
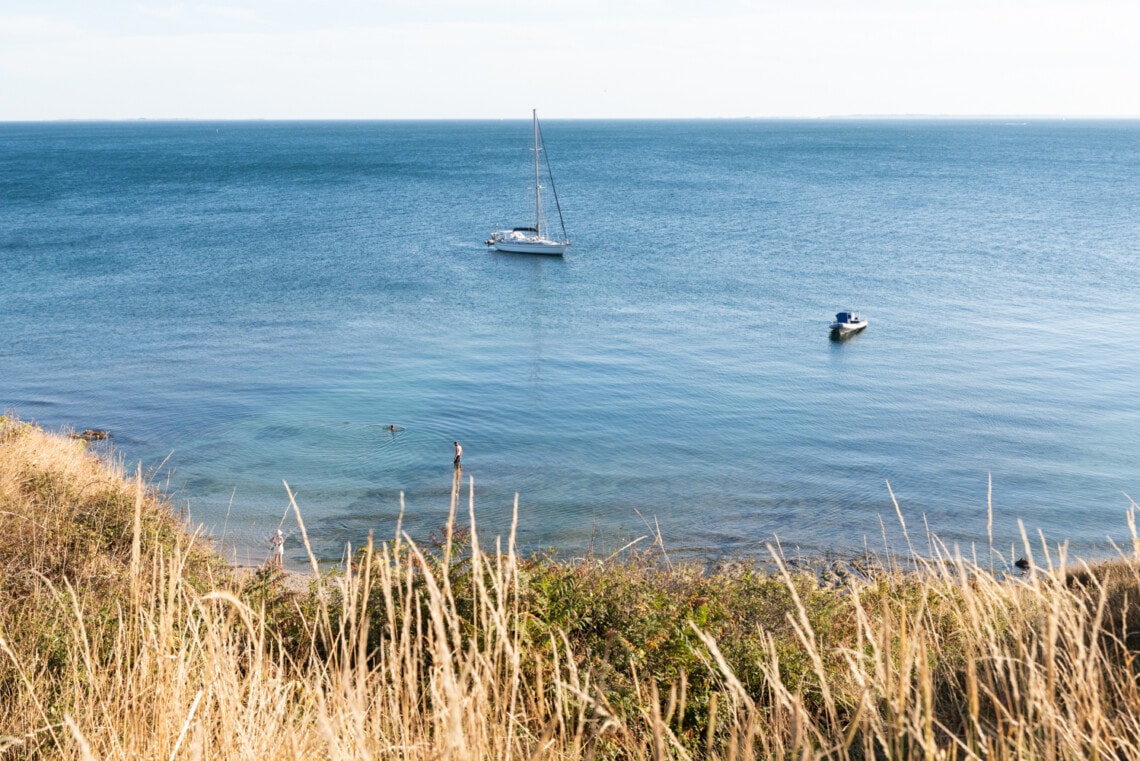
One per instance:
(248, 304)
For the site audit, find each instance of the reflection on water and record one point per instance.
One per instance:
(837, 336)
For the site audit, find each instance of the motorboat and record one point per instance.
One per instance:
(536, 238)
(847, 323)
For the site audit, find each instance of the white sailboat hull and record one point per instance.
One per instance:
(531, 246)
(550, 249)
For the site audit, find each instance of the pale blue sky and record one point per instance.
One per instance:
(394, 59)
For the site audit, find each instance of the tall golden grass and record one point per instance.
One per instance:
(122, 637)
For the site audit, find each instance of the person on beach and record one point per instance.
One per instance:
(278, 544)
(458, 455)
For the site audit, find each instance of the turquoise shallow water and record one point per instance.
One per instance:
(248, 304)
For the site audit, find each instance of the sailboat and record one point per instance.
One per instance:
(535, 239)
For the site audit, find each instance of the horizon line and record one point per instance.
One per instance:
(834, 117)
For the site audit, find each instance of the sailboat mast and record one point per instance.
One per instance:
(537, 185)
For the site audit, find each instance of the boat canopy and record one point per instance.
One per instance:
(844, 317)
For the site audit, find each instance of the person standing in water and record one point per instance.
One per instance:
(458, 455)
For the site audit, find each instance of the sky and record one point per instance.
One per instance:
(493, 59)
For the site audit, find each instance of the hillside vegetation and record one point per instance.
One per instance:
(124, 636)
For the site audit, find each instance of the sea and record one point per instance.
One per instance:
(268, 313)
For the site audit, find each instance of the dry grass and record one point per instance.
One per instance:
(122, 638)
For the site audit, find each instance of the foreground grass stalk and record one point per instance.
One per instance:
(122, 636)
